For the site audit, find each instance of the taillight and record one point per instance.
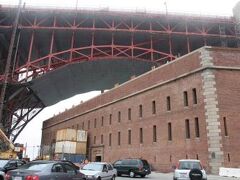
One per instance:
(32, 177)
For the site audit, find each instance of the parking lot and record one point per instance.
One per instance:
(169, 176)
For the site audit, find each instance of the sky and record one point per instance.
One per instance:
(32, 133)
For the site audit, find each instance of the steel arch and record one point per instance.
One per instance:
(89, 53)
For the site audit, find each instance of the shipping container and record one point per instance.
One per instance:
(66, 147)
(66, 135)
(71, 147)
(81, 148)
(81, 136)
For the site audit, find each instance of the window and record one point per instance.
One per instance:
(110, 167)
(118, 162)
(102, 121)
(229, 157)
(69, 169)
(153, 107)
(154, 133)
(110, 119)
(129, 136)
(225, 126)
(185, 98)
(196, 156)
(94, 140)
(95, 123)
(88, 124)
(104, 168)
(102, 139)
(119, 138)
(57, 168)
(197, 132)
(129, 114)
(194, 93)
(119, 116)
(141, 135)
(168, 103)
(187, 129)
(83, 125)
(110, 140)
(169, 131)
(140, 111)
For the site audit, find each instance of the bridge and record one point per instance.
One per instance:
(56, 54)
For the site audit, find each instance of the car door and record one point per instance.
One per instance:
(126, 166)
(58, 172)
(105, 174)
(111, 171)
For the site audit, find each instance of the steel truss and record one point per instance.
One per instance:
(155, 26)
(20, 108)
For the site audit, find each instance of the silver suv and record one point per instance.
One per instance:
(185, 166)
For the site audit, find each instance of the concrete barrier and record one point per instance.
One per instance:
(229, 172)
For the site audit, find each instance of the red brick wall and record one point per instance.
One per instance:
(226, 57)
(158, 153)
(228, 89)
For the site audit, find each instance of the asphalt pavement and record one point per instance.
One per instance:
(169, 176)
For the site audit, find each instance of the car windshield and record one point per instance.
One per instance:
(93, 167)
(189, 165)
(35, 166)
(3, 163)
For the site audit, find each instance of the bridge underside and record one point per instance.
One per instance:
(24, 101)
(86, 76)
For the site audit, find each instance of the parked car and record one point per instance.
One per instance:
(132, 167)
(7, 165)
(45, 170)
(185, 166)
(99, 170)
(2, 175)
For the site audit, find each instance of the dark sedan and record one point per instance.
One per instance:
(45, 170)
(7, 165)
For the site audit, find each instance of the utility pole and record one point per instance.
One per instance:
(166, 8)
(8, 64)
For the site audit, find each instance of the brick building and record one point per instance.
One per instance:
(184, 109)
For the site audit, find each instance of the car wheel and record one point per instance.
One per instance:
(131, 174)
(99, 178)
(113, 178)
(143, 175)
(119, 174)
